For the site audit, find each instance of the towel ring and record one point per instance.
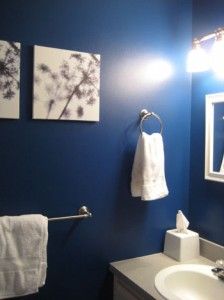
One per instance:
(145, 114)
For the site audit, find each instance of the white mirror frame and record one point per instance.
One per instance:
(211, 99)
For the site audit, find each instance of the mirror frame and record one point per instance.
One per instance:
(211, 99)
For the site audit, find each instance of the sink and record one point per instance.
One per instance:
(189, 282)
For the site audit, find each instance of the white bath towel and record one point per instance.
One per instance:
(148, 176)
(23, 254)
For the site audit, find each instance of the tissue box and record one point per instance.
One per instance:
(181, 246)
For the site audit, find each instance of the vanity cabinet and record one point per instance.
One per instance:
(134, 279)
(123, 291)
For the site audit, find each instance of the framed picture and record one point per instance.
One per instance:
(66, 85)
(9, 79)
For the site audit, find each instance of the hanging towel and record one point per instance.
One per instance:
(222, 166)
(23, 254)
(148, 176)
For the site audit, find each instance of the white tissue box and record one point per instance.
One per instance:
(181, 246)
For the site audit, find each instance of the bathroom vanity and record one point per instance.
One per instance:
(134, 278)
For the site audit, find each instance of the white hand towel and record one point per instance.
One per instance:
(148, 176)
(222, 166)
(23, 254)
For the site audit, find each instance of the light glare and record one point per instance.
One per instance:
(197, 60)
(157, 71)
(217, 58)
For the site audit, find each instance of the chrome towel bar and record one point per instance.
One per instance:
(83, 213)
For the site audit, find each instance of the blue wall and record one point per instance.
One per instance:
(206, 197)
(53, 168)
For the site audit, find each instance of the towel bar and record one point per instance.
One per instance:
(83, 213)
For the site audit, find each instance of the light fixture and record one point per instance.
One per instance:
(197, 60)
(217, 54)
(200, 60)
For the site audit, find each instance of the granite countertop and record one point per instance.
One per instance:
(139, 273)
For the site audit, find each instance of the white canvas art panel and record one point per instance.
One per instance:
(66, 85)
(9, 79)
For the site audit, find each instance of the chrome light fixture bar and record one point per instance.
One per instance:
(199, 60)
(217, 33)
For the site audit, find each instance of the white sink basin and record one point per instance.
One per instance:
(189, 282)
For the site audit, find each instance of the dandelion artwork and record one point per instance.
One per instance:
(9, 79)
(66, 85)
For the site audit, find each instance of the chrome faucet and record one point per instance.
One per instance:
(219, 269)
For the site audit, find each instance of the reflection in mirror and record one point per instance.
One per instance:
(218, 144)
(214, 137)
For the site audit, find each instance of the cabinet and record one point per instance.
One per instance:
(124, 291)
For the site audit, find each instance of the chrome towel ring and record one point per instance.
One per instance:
(145, 114)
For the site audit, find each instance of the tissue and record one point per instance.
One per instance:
(181, 222)
(181, 243)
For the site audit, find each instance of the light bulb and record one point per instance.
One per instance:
(217, 56)
(197, 60)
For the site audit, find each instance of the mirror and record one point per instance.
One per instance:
(214, 137)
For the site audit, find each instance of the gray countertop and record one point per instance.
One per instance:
(140, 272)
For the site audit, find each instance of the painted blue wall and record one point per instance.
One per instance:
(53, 168)
(206, 197)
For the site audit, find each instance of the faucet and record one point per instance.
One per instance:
(219, 269)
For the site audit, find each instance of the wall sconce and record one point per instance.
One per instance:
(200, 60)
(217, 55)
(197, 60)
